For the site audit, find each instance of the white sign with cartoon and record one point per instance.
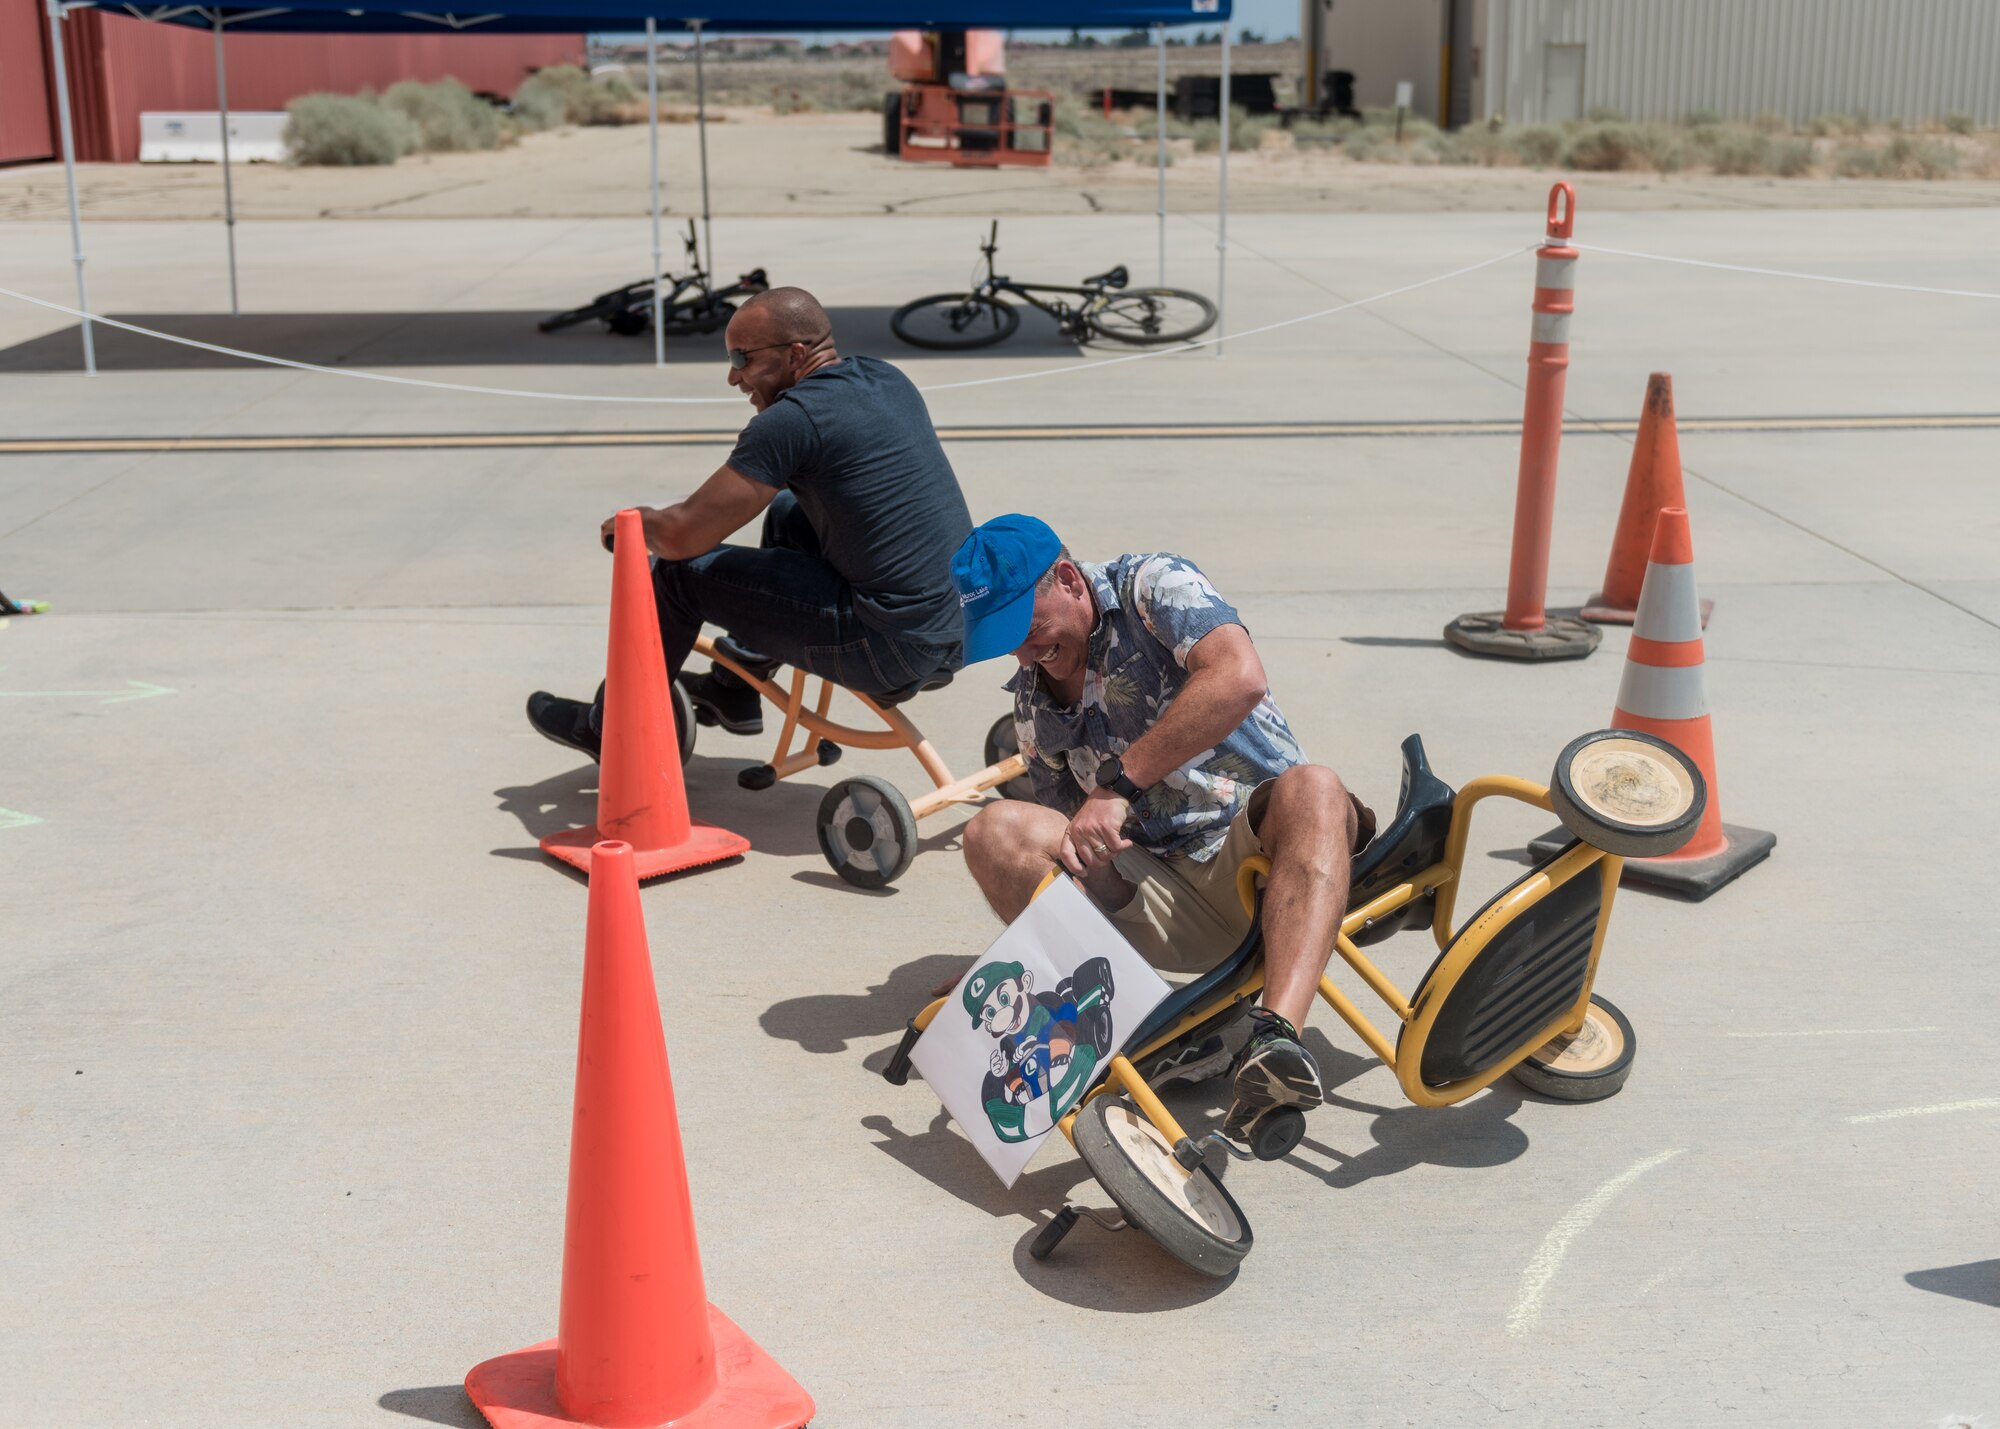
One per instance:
(1034, 1024)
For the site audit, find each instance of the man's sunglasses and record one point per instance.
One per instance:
(739, 357)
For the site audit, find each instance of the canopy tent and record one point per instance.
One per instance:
(565, 17)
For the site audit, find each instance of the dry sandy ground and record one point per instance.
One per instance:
(831, 164)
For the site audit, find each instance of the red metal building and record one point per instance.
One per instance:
(119, 66)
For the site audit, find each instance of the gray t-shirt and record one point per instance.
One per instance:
(854, 443)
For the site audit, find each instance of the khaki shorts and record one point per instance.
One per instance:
(1185, 916)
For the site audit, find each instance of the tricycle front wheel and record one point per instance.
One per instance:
(1187, 1212)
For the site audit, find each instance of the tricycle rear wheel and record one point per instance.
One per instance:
(1587, 1065)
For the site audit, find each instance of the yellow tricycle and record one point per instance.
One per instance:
(1510, 992)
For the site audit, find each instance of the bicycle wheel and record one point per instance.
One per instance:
(574, 316)
(696, 316)
(1152, 315)
(954, 320)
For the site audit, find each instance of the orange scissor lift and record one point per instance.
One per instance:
(954, 106)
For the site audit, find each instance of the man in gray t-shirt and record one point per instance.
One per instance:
(852, 578)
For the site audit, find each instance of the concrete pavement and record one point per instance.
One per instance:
(290, 999)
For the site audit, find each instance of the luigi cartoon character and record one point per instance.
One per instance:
(1047, 1045)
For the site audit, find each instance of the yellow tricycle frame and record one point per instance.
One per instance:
(807, 723)
(1458, 949)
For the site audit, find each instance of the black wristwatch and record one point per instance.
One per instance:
(1111, 775)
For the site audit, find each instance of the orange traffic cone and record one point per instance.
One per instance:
(640, 797)
(1652, 483)
(637, 1343)
(1662, 694)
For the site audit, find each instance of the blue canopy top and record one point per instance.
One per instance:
(485, 17)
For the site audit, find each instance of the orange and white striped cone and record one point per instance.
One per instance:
(1663, 694)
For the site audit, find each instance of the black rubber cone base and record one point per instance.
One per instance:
(1692, 878)
(1563, 636)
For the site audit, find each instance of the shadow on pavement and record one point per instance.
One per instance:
(436, 1404)
(1472, 1134)
(1125, 1274)
(1977, 1281)
(475, 339)
(824, 1022)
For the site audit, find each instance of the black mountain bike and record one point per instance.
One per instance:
(688, 304)
(1107, 308)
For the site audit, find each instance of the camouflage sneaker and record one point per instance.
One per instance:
(1274, 1070)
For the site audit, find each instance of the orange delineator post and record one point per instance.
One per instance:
(641, 799)
(1542, 415)
(637, 1344)
(1663, 693)
(1652, 483)
(1526, 630)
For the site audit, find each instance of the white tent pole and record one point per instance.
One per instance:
(1160, 43)
(653, 137)
(701, 132)
(1222, 218)
(57, 13)
(228, 188)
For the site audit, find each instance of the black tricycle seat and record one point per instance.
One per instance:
(1413, 842)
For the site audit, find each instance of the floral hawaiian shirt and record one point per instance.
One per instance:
(1151, 611)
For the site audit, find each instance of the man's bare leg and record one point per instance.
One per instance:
(1010, 846)
(1308, 831)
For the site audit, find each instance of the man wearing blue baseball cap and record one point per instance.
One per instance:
(1159, 763)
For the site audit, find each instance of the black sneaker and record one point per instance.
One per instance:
(1191, 1062)
(567, 722)
(1274, 1070)
(729, 703)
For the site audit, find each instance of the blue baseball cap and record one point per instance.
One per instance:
(996, 570)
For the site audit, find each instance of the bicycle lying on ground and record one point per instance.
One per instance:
(1108, 309)
(687, 303)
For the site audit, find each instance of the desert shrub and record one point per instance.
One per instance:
(564, 94)
(1539, 145)
(345, 129)
(1839, 125)
(1735, 149)
(1604, 114)
(1910, 156)
(1083, 136)
(1696, 118)
(1905, 156)
(1792, 158)
(1369, 145)
(1246, 131)
(1958, 123)
(1477, 144)
(1857, 161)
(539, 106)
(832, 91)
(448, 117)
(1770, 123)
(1617, 146)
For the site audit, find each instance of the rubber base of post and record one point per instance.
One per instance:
(1563, 636)
(704, 844)
(752, 1390)
(1598, 613)
(1691, 878)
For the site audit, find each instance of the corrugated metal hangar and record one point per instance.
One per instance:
(1544, 61)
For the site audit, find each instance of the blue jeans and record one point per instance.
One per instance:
(783, 600)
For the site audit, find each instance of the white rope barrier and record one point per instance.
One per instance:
(367, 376)
(1780, 272)
(1176, 349)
